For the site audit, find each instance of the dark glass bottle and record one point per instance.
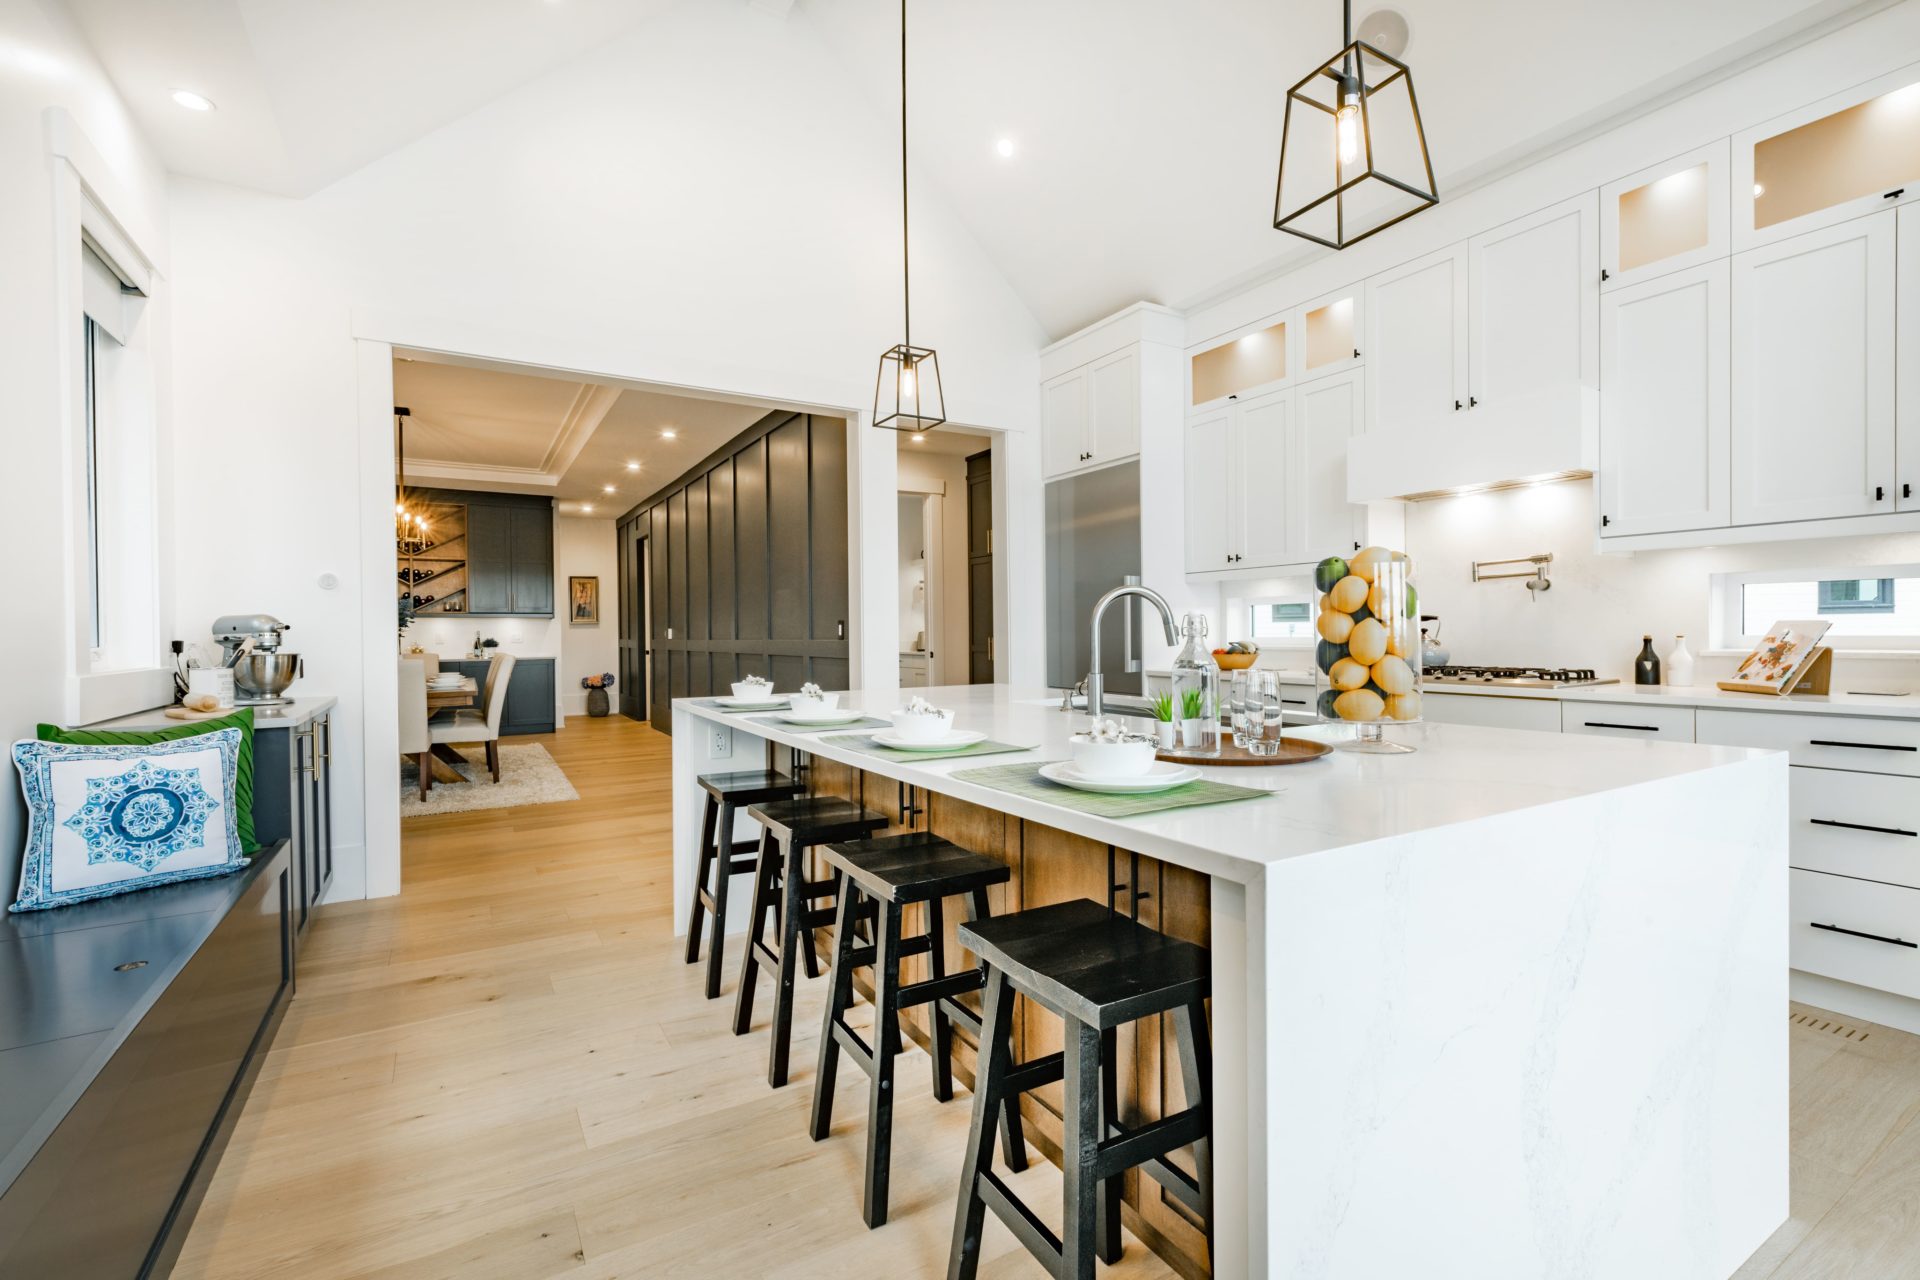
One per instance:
(1646, 667)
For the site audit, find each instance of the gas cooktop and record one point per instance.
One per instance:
(1515, 677)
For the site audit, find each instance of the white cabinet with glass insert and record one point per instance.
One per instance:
(1318, 338)
(1813, 375)
(1668, 217)
(1090, 417)
(1847, 155)
(1664, 424)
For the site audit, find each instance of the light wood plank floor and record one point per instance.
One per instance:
(508, 1072)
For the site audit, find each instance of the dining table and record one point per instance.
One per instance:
(441, 698)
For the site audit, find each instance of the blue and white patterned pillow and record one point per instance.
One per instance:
(103, 820)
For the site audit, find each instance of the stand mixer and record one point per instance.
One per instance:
(250, 645)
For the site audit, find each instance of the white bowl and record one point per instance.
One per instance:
(1094, 758)
(744, 691)
(922, 728)
(825, 702)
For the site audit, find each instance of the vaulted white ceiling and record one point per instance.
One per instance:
(1146, 132)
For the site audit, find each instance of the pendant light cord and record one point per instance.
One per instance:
(906, 254)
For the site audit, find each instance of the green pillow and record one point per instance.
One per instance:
(241, 719)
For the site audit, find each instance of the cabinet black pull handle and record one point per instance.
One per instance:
(1863, 746)
(1608, 724)
(1862, 826)
(1604, 277)
(1874, 937)
(1356, 546)
(1356, 353)
(1471, 402)
(1879, 493)
(1605, 521)
(1906, 490)
(1894, 194)
(1456, 406)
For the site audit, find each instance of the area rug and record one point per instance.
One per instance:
(528, 775)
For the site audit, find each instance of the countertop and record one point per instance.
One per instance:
(1458, 774)
(293, 715)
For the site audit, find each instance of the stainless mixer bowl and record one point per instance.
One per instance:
(265, 675)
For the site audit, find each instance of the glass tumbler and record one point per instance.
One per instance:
(1266, 715)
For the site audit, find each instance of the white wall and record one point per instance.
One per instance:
(946, 475)
(586, 548)
(704, 204)
(45, 63)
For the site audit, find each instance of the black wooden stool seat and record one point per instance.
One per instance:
(722, 857)
(882, 876)
(782, 893)
(1096, 969)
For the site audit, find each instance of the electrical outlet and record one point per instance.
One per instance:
(721, 745)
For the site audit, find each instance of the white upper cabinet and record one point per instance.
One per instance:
(1533, 302)
(1262, 483)
(1668, 217)
(1090, 416)
(1664, 425)
(1813, 375)
(1331, 328)
(1327, 416)
(1840, 158)
(1416, 347)
(1209, 461)
(1259, 360)
(1907, 392)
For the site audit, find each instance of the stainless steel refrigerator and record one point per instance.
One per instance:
(1093, 545)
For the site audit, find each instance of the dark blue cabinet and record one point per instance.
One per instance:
(509, 551)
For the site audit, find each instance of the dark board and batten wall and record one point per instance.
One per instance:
(744, 559)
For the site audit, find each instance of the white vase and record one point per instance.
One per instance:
(1169, 734)
(1679, 664)
(1191, 731)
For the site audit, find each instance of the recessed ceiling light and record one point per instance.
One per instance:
(668, 433)
(1005, 148)
(606, 488)
(587, 507)
(192, 101)
(633, 466)
(919, 439)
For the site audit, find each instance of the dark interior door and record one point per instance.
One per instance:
(980, 568)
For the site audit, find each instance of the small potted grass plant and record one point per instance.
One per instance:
(1193, 713)
(1164, 727)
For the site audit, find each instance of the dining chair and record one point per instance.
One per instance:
(433, 664)
(470, 726)
(415, 740)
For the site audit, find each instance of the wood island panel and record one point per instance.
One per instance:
(1051, 866)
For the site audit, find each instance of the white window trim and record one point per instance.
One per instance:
(1725, 637)
(90, 207)
(1239, 625)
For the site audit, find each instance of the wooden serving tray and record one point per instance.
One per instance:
(1292, 751)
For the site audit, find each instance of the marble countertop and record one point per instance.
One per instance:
(292, 715)
(1458, 774)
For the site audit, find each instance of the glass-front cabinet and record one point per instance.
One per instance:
(1254, 360)
(1840, 158)
(1669, 217)
(1312, 340)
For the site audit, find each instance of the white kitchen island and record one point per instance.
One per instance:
(1511, 1006)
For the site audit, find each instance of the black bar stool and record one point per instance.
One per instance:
(782, 892)
(880, 877)
(1097, 970)
(727, 794)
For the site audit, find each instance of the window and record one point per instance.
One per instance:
(1290, 620)
(1869, 607)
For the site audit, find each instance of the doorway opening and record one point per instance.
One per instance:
(944, 511)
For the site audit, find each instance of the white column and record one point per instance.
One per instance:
(1237, 951)
(1019, 561)
(873, 541)
(377, 708)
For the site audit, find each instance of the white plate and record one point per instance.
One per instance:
(839, 715)
(768, 703)
(957, 738)
(1161, 777)
(454, 683)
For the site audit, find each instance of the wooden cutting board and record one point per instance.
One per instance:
(1292, 751)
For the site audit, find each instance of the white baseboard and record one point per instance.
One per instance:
(1852, 1001)
(349, 874)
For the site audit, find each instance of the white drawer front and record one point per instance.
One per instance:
(1494, 713)
(1857, 824)
(1884, 921)
(1824, 742)
(1627, 720)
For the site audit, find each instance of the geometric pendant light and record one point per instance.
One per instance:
(907, 395)
(1353, 152)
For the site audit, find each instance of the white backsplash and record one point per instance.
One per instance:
(1601, 605)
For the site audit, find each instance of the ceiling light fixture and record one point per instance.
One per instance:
(587, 507)
(633, 466)
(916, 401)
(1346, 117)
(192, 101)
(606, 488)
(918, 439)
(668, 433)
(1005, 148)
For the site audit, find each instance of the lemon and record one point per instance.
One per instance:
(1403, 706)
(1368, 643)
(1334, 625)
(1359, 704)
(1348, 674)
(1393, 675)
(1349, 594)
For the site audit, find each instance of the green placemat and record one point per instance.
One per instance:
(864, 742)
(771, 704)
(1025, 780)
(869, 722)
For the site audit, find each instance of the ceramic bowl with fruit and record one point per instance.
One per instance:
(921, 721)
(1106, 750)
(1368, 653)
(1237, 656)
(753, 687)
(810, 698)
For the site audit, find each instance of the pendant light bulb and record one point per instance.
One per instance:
(906, 384)
(1346, 126)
